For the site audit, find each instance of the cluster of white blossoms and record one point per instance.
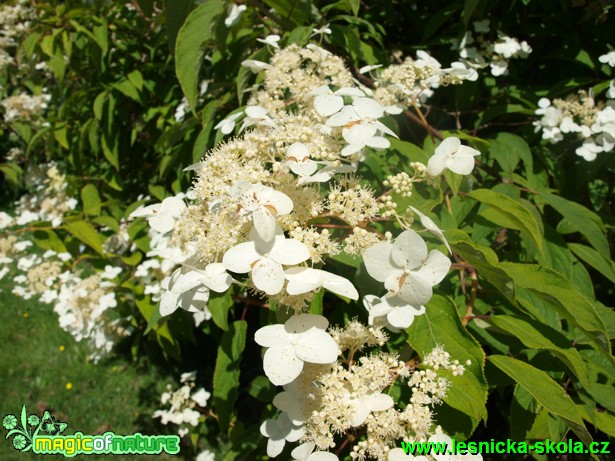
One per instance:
(24, 107)
(477, 50)
(581, 116)
(267, 210)
(414, 80)
(83, 297)
(182, 404)
(15, 20)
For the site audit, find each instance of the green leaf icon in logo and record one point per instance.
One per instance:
(9, 422)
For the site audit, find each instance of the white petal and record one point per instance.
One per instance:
(305, 168)
(328, 104)
(415, 290)
(431, 227)
(378, 142)
(409, 250)
(360, 414)
(304, 322)
(435, 267)
(402, 317)
(449, 146)
(302, 280)
(240, 258)
(168, 303)
(162, 223)
(272, 336)
(289, 252)
(302, 452)
(316, 346)
(186, 282)
(264, 223)
(437, 163)
(173, 206)
(282, 365)
(380, 402)
(343, 117)
(359, 133)
(368, 108)
(462, 162)
(268, 276)
(275, 447)
(350, 91)
(378, 262)
(280, 201)
(339, 285)
(298, 151)
(322, 456)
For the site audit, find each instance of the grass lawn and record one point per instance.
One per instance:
(42, 367)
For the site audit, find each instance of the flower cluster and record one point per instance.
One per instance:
(270, 207)
(14, 22)
(477, 50)
(581, 116)
(24, 106)
(414, 80)
(182, 404)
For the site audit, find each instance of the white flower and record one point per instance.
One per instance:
(498, 68)
(162, 216)
(227, 125)
(405, 267)
(190, 290)
(322, 30)
(301, 339)
(5, 220)
(328, 103)
(201, 396)
(206, 455)
(608, 58)
(234, 13)
(280, 431)
(304, 453)
(398, 313)
(365, 405)
(360, 125)
(264, 259)
(270, 40)
(255, 66)
(292, 401)
(589, 150)
(298, 160)
(256, 115)
(263, 204)
(452, 155)
(326, 173)
(304, 279)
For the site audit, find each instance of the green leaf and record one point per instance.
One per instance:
(12, 172)
(189, 48)
(176, 12)
(441, 326)
(594, 259)
(507, 212)
(48, 240)
(484, 260)
(219, 305)
(580, 219)
(84, 232)
(90, 199)
(126, 87)
(539, 336)
(226, 373)
(468, 9)
(557, 292)
(546, 391)
(507, 149)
